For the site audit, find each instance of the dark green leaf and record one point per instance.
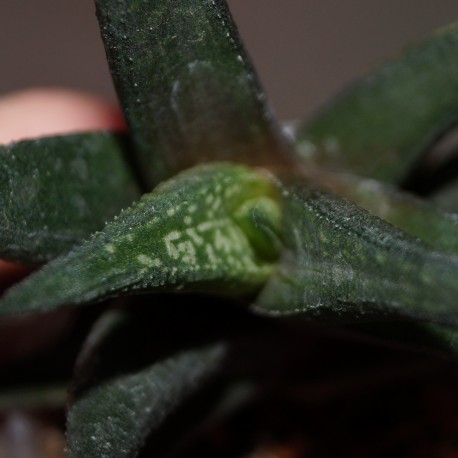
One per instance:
(414, 216)
(382, 125)
(401, 209)
(193, 232)
(56, 191)
(343, 263)
(117, 404)
(187, 87)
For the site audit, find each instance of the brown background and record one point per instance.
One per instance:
(304, 50)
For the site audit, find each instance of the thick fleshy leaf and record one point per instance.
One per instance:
(208, 229)
(135, 375)
(189, 92)
(56, 191)
(162, 371)
(420, 218)
(341, 262)
(413, 215)
(382, 125)
(115, 417)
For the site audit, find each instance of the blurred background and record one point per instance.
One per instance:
(304, 50)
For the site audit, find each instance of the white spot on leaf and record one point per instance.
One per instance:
(149, 262)
(110, 248)
(171, 248)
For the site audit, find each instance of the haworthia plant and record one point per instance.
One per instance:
(56, 191)
(381, 126)
(210, 228)
(191, 96)
(291, 245)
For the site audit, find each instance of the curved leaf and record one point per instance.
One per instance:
(382, 125)
(409, 213)
(341, 262)
(55, 191)
(189, 92)
(190, 233)
(119, 401)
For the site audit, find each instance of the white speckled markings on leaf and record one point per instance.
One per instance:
(198, 230)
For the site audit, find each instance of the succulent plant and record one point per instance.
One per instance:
(234, 254)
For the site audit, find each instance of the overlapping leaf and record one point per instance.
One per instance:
(342, 263)
(56, 191)
(133, 380)
(133, 375)
(406, 211)
(187, 87)
(382, 125)
(212, 228)
(190, 95)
